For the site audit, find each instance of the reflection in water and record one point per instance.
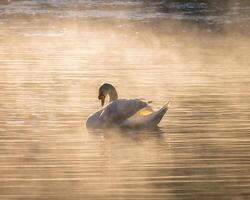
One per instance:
(53, 57)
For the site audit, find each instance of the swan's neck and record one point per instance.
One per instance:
(112, 94)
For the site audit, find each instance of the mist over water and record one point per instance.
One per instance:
(53, 57)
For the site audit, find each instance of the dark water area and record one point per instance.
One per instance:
(54, 54)
(196, 11)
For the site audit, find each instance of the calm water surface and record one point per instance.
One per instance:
(55, 54)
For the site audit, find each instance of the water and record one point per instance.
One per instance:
(54, 55)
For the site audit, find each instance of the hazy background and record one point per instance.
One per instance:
(54, 54)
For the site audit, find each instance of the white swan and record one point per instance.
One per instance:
(130, 113)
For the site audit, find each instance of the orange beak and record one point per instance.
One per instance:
(102, 98)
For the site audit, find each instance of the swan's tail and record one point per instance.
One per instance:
(155, 118)
(145, 121)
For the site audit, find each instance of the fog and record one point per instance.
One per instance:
(53, 57)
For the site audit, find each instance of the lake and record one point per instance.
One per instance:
(54, 55)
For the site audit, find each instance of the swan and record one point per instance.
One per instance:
(124, 113)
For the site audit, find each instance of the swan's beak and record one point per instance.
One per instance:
(102, 98)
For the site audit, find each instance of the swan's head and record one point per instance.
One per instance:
(107, 89)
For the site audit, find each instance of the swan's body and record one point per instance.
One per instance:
(130, 113)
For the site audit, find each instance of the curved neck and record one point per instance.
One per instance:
(112, 94)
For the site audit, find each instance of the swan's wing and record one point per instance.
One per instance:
(145, 111)
(146, 117)
(119, 110)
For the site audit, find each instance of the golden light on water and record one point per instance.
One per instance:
(53, 58)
